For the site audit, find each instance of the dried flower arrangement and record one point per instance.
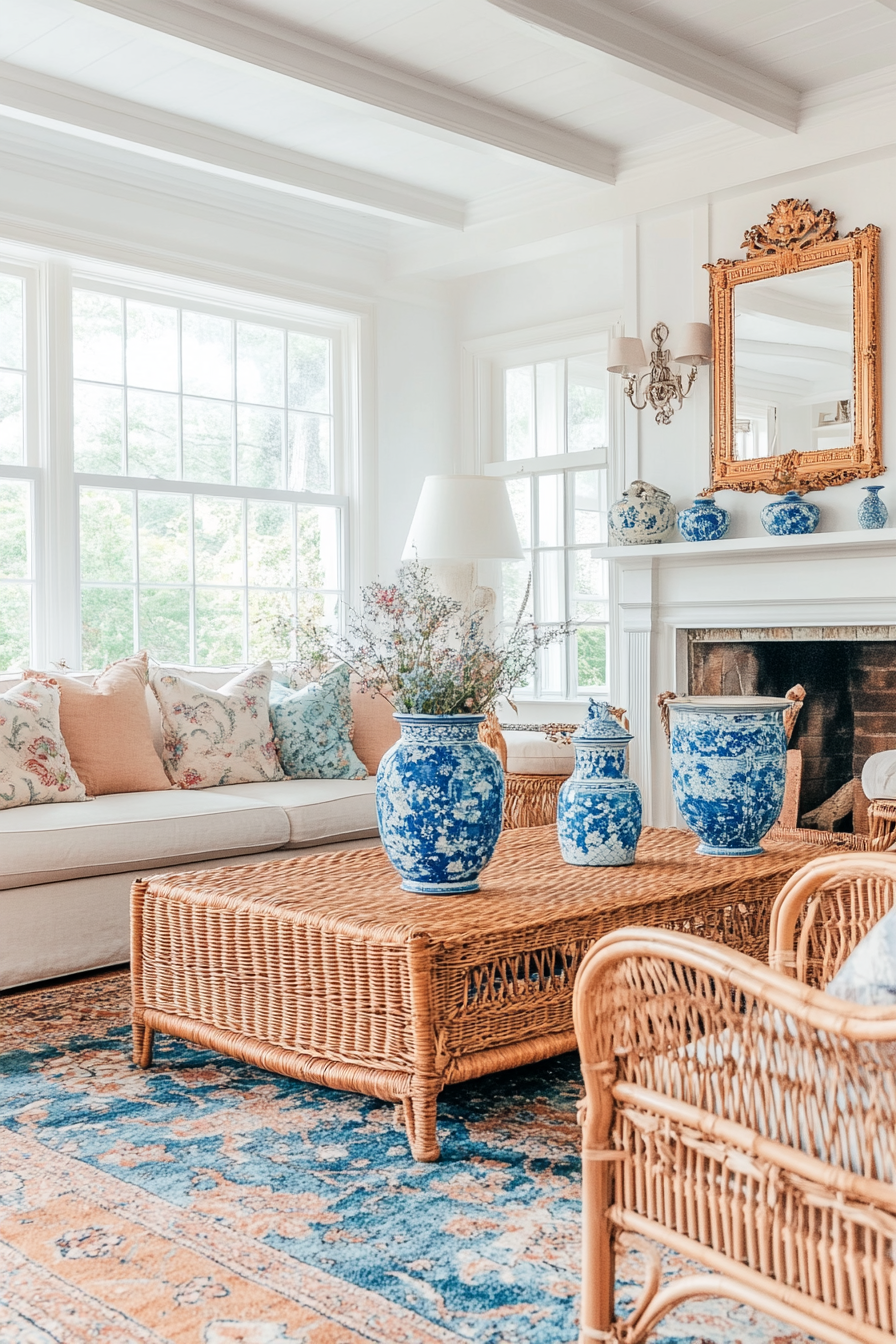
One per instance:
(427, 653)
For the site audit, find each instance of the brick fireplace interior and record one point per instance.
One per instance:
(850, 707)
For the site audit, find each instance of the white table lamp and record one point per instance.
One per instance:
(463, 518)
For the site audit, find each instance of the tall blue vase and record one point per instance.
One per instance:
(729, 763)
(873, 512)
(439, 802)
(599, 807)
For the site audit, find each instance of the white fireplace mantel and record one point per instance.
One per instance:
(808, 584)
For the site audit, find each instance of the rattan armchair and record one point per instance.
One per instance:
(743, 1119)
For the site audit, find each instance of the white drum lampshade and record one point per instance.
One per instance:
(693, 344)
(626, 355)
(463, 518)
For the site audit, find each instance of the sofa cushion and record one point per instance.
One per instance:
(318, 809)
(375, 728)
(312, 728)
(98, 718)
(35, 766)
(217, 736)
(124, 831)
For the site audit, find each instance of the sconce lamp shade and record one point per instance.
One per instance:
(463, 518)
(693, 344)
(626, 355)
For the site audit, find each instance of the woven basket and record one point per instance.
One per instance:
(531, 800)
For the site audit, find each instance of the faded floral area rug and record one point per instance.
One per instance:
(208, 1202)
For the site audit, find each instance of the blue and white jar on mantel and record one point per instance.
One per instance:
(439, 803)
(729, 763)
(873, 512)
(790, 516)
(705, 520)
(599, 807)
(643, 516)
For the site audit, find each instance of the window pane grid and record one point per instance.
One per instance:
(553, 407)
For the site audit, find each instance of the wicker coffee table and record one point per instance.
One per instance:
(322, 968)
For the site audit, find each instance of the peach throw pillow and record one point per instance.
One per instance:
(107, 730)
(374, 727)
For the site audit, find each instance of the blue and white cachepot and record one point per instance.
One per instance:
(873, 512)
(599, 807)
(729, 761)
(439, 802)
(790, 516)
(644, 514)
(704, 521)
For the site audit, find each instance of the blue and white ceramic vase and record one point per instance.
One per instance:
(599, 808)
(644, 514)
(873, 512)
(729, 761)
(790, 516)
(439, 802)
(704, 521)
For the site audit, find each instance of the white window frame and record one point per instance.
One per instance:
(484, 363)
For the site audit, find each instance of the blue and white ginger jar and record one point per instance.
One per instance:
(439, 802)
(729, 762)
(704, 521)
(599, 807)
(790, 516)
(644, 514)
(873, 512)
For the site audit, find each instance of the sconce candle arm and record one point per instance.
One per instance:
(658, 387)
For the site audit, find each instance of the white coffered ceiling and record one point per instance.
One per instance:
(455, 119)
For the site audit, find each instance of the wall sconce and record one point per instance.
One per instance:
(652, 383)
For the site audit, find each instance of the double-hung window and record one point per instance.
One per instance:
(551, 425)
(18, 465)
(205, 467)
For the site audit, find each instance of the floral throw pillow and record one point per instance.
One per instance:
(868, 975)
(313, 729)
(35, 766)
(217, 737)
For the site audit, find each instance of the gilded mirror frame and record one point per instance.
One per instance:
(796, 238)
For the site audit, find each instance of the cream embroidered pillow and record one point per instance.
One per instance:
(35, 766)
(217, 737)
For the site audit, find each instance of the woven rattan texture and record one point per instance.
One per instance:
(326, 960)
(882, 822)
(755, 1123)
(531, 800)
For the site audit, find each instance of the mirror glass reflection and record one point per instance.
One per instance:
(793, 362)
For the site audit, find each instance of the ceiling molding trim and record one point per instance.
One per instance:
(668, 62)
(62, 105)
(300, 56)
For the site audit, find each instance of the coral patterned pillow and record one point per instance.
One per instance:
(217, 737)
(35, 766)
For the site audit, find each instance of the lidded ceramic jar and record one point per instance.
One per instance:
(644, 514)
(704, 521)
(873, 512)
(599, 808)
(790, 516)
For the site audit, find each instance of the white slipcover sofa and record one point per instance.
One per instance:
(66, 868)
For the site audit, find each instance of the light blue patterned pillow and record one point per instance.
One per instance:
(312, 727)
(869, 973)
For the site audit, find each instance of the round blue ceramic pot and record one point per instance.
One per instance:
(599, 807)
(439, 802)
(704, 521)
(729, 760)
(790, 516)
(873, 512)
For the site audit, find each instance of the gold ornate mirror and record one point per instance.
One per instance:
(796, 372)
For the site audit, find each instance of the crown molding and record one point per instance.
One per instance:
(61, 105)
(301, 56)
(667, 61)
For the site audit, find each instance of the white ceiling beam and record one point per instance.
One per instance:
(61, 105)
(298, 55)
(667, 62)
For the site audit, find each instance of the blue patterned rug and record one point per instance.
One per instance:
(208, 1202)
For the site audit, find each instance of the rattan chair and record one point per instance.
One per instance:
(743, 1119)
(882, 822)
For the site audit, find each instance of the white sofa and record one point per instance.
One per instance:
(66, 868)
